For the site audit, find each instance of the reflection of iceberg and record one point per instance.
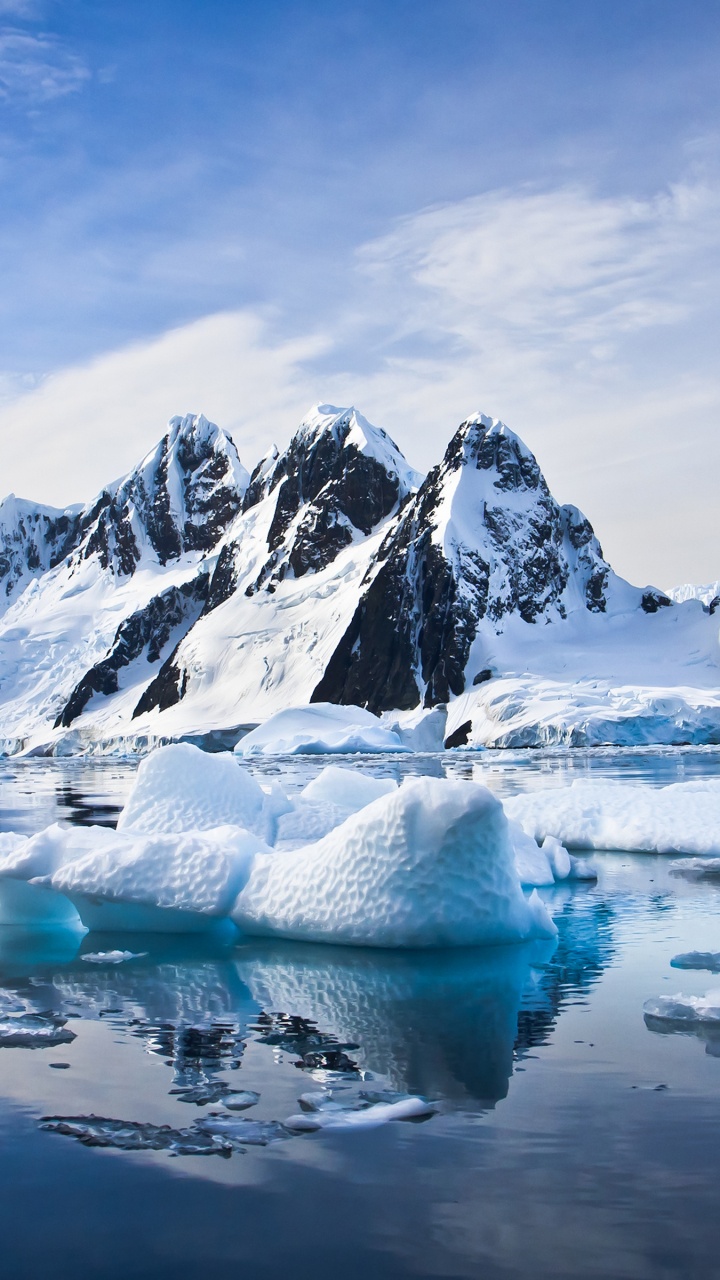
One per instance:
(441, 1025)
(688, 1015)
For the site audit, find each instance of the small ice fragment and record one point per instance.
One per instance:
(131, 1135)
(242, 1132)
(696, 868)
(241, 1100)
(697, 960)
(368, 1117)
(680, 1009)
(34, 1031)
(111, 957)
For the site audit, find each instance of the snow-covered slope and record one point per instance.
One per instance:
(33, 539)
(190, 597)
(135, 568)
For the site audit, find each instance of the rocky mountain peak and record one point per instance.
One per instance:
(180, 498)
(482, 540)
(339, 477)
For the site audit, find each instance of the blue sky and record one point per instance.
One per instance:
(423, 209)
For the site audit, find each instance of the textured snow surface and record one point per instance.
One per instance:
(680, 1009)
(682, 818)
(430, 864)
(320, 729)
(181, 788)
(198, 871)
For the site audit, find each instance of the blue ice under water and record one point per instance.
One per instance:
(557, 1134)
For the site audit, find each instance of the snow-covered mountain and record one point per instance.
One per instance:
(191, 597)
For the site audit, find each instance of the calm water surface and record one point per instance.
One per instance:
(569, 1140)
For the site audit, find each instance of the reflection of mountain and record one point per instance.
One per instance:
(584, 949)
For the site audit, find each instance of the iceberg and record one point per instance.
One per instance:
(177, 882)
(428, 865)
(681, 818)
(182, 788)
(320, 729)
(325, 802)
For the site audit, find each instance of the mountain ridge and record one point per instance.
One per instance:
(193, 595)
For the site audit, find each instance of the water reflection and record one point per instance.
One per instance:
(447, 1026)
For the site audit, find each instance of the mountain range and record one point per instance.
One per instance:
(192, 598)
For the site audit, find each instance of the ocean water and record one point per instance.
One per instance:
(568, 1138)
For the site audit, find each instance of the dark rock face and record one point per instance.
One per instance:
(330, 488)
(145, 632)
(654, 600)
(464, 549)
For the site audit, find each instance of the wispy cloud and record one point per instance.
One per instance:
(63, 440)
(37, 68)
(589, 324)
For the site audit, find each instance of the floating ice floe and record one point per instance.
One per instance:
(34, 1031)
(319, 729)
(696, 868)
(697, 960)
(682, 818)
(430, 864)
(333, 1115)
(111, 957)
(681, 1011)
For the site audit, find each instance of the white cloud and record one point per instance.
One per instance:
(86, 425)
(37, 68)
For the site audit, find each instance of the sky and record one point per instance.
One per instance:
(423, 209)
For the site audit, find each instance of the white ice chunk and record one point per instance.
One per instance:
(326, 802)
(682, 818)
(320, 729)
(430, 864)
(199, 872)
(697, 960)
(685, 1009)
(181, 788)
(347, 788)
(111, 957)
(532, 863)
(337, 1117)
(696, 868)
(558, 857)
